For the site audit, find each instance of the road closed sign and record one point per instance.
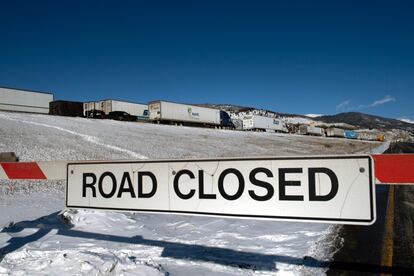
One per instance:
(320, 189)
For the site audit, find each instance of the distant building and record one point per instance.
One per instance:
(12, 99)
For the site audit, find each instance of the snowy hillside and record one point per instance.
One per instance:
(38, 239)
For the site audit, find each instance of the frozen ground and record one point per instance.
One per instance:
(38, 238)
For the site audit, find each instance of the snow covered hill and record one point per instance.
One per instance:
(38, 238)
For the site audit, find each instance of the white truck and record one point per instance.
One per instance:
(311, 130)
(89, 106)
(262, 123)
(134, 109)
(107, 106)
(177, 113)
(368, 136)
(19, 100)
(335, 132)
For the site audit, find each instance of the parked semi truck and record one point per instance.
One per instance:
(66, 108)
(335, 132)
(177, 113)
(108, 106)
(311, 130)
(12, 99)
(367, 136)
(262, 123)
(349, 134)
(89, 107)
(238, 123)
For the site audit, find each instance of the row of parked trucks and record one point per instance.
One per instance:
(340, 133)
(350, 134)
(12, 99)
(176, 113)
(166, 112)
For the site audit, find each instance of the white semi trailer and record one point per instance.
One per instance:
(107, 106)
(12, 99)
(134, 109)
(169, 112)
(311, 130)
(335, 132)
(256, 122)
(89, 106)
(368, 136)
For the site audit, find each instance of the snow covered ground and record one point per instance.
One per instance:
(39, 237)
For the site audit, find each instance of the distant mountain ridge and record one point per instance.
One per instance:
(363, 120)
(358, 119)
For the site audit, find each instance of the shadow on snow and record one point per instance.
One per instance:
(222, 256)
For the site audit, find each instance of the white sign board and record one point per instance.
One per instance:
(320, 189)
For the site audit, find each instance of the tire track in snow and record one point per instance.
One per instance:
(87, 138)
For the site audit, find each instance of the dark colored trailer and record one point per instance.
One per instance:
(66, 108)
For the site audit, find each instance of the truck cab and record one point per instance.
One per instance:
(225, 120)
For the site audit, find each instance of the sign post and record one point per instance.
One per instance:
(330, 189)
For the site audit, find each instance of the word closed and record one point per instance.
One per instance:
(320, 189)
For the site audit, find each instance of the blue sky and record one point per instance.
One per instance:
(301, 57)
